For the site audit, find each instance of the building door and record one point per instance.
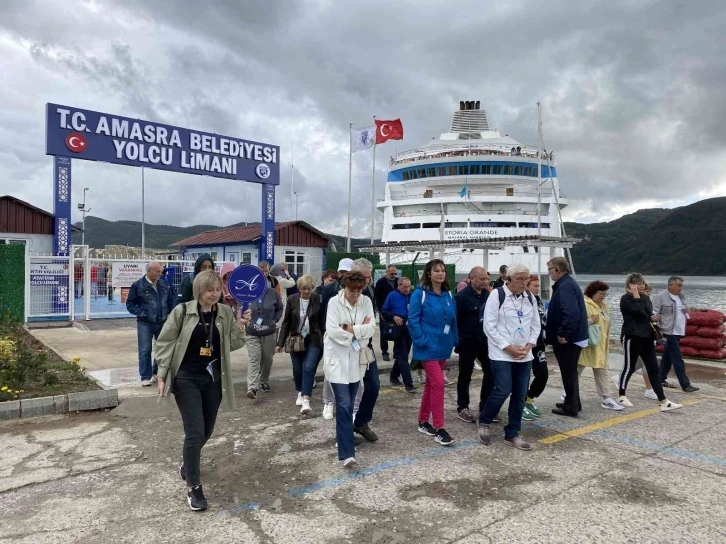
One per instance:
(233, 257)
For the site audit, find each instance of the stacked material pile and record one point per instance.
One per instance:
(705, 335)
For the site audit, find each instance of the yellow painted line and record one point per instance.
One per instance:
(559, 437)
(712, 397)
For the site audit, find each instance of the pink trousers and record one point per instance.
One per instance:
(432, 400)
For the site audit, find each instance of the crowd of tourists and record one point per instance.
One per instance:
(500, 327)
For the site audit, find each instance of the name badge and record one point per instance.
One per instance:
(259, 321)
(520, 313)
(355, 344)
(205, 352)
(446, 329)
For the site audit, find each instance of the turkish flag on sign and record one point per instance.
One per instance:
(388, 130)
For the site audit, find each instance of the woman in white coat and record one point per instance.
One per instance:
(349, 325)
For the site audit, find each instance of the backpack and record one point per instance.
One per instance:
(502, 296)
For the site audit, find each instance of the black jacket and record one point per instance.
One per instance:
(291, 321)
(499, 282)
(566, 315)
(185, 289)
(469, 307)
(382, 290)
(636, 316)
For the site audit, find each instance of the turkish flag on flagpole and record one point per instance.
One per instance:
(388, 130)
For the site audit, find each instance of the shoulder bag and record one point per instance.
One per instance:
(295, 342)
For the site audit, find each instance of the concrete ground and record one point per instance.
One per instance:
(272, 475)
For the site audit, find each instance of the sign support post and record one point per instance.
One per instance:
(267, 234)
(62, 205)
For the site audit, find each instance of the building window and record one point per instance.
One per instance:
(246, 258)
(233, 257)
(297, 262)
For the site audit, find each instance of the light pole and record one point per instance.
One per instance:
(82, 208)
(296, 201)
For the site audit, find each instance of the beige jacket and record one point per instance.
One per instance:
(174, 338)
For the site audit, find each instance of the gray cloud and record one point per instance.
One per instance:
(631, 94)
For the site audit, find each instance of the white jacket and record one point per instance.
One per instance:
(285, 284)
(504, 326)
(341, 363)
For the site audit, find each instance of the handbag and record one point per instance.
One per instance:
(594, 334)
(366, 356)
(295, 342)
(392, 331)
(658, 335)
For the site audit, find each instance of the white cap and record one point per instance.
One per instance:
(345, 265)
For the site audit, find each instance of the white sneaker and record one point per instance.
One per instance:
(610, 404)
(328, 410)
(299, 401)
(146, 383)
(350, 462)
(669, 405)
(650, 394)
(477, 366)
(623, 401)
(305, 407)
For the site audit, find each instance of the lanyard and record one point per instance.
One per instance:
(443, 306)
(355, 315)
(208, 330)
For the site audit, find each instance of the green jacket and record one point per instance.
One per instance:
(174, 338)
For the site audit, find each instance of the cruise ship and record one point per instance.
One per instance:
(473, 182)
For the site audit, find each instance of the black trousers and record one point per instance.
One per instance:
(471, 350)
(384, 343)
(198, 399)
(540, 372)
(634, 347)
(567, 356)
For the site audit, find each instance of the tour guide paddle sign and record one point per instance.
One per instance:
(247, 284)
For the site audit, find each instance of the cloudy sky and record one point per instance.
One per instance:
(632, 93)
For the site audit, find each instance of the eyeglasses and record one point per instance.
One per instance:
(525, 278)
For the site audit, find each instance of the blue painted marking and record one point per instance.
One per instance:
(663, 449)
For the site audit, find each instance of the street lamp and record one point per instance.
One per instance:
(84, 211)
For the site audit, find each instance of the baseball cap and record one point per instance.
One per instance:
(345, 265)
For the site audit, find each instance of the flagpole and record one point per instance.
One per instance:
(350, 181)
(373, 191)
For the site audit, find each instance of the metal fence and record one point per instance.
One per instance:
(79, 287)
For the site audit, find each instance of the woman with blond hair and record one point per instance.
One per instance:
(595, 356)
(193, 354)
(301, 334)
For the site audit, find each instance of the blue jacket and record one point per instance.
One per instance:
(428, 316)
(566, 315)
(396, 304)
(149, 304)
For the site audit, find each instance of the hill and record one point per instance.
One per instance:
(689, 240)
(101, 233)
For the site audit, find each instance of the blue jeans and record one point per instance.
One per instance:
(146, 333)
(672, 356)
(509, 379)
(344, 398)
(401, 349)
(371, 387)
(303, 367)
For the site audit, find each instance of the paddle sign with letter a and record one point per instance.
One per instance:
(247, 284)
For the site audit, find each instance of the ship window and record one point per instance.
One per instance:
(527, 225)
(482, 224)
(454, 225)
(545, 225)
(475, 169)
(406, 176)
(464, 170)
(440, 170)
(507, 224)
(431, 172)
(507, 169)
(497, 169)
(517, 170)
(452, 170)
(403, 226)
(486, 169)
(431, 225)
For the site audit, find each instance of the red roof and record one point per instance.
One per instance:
(250, 233)
(19, 216)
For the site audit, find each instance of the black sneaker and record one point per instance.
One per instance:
(411, 389)
(443, 438)
(252, 394)
(386, 357)
(365, 432)
(396, 382)
(196, 499)
(667, 384)
(690, 389)
(182, 472)
(265, 387)
(427, 429)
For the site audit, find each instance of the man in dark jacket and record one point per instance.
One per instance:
(566, 331)
(384, 287)
(472, 344)
(502, 279)
(394, 313)
(203, 262)
(261, 335)
(150, 300)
